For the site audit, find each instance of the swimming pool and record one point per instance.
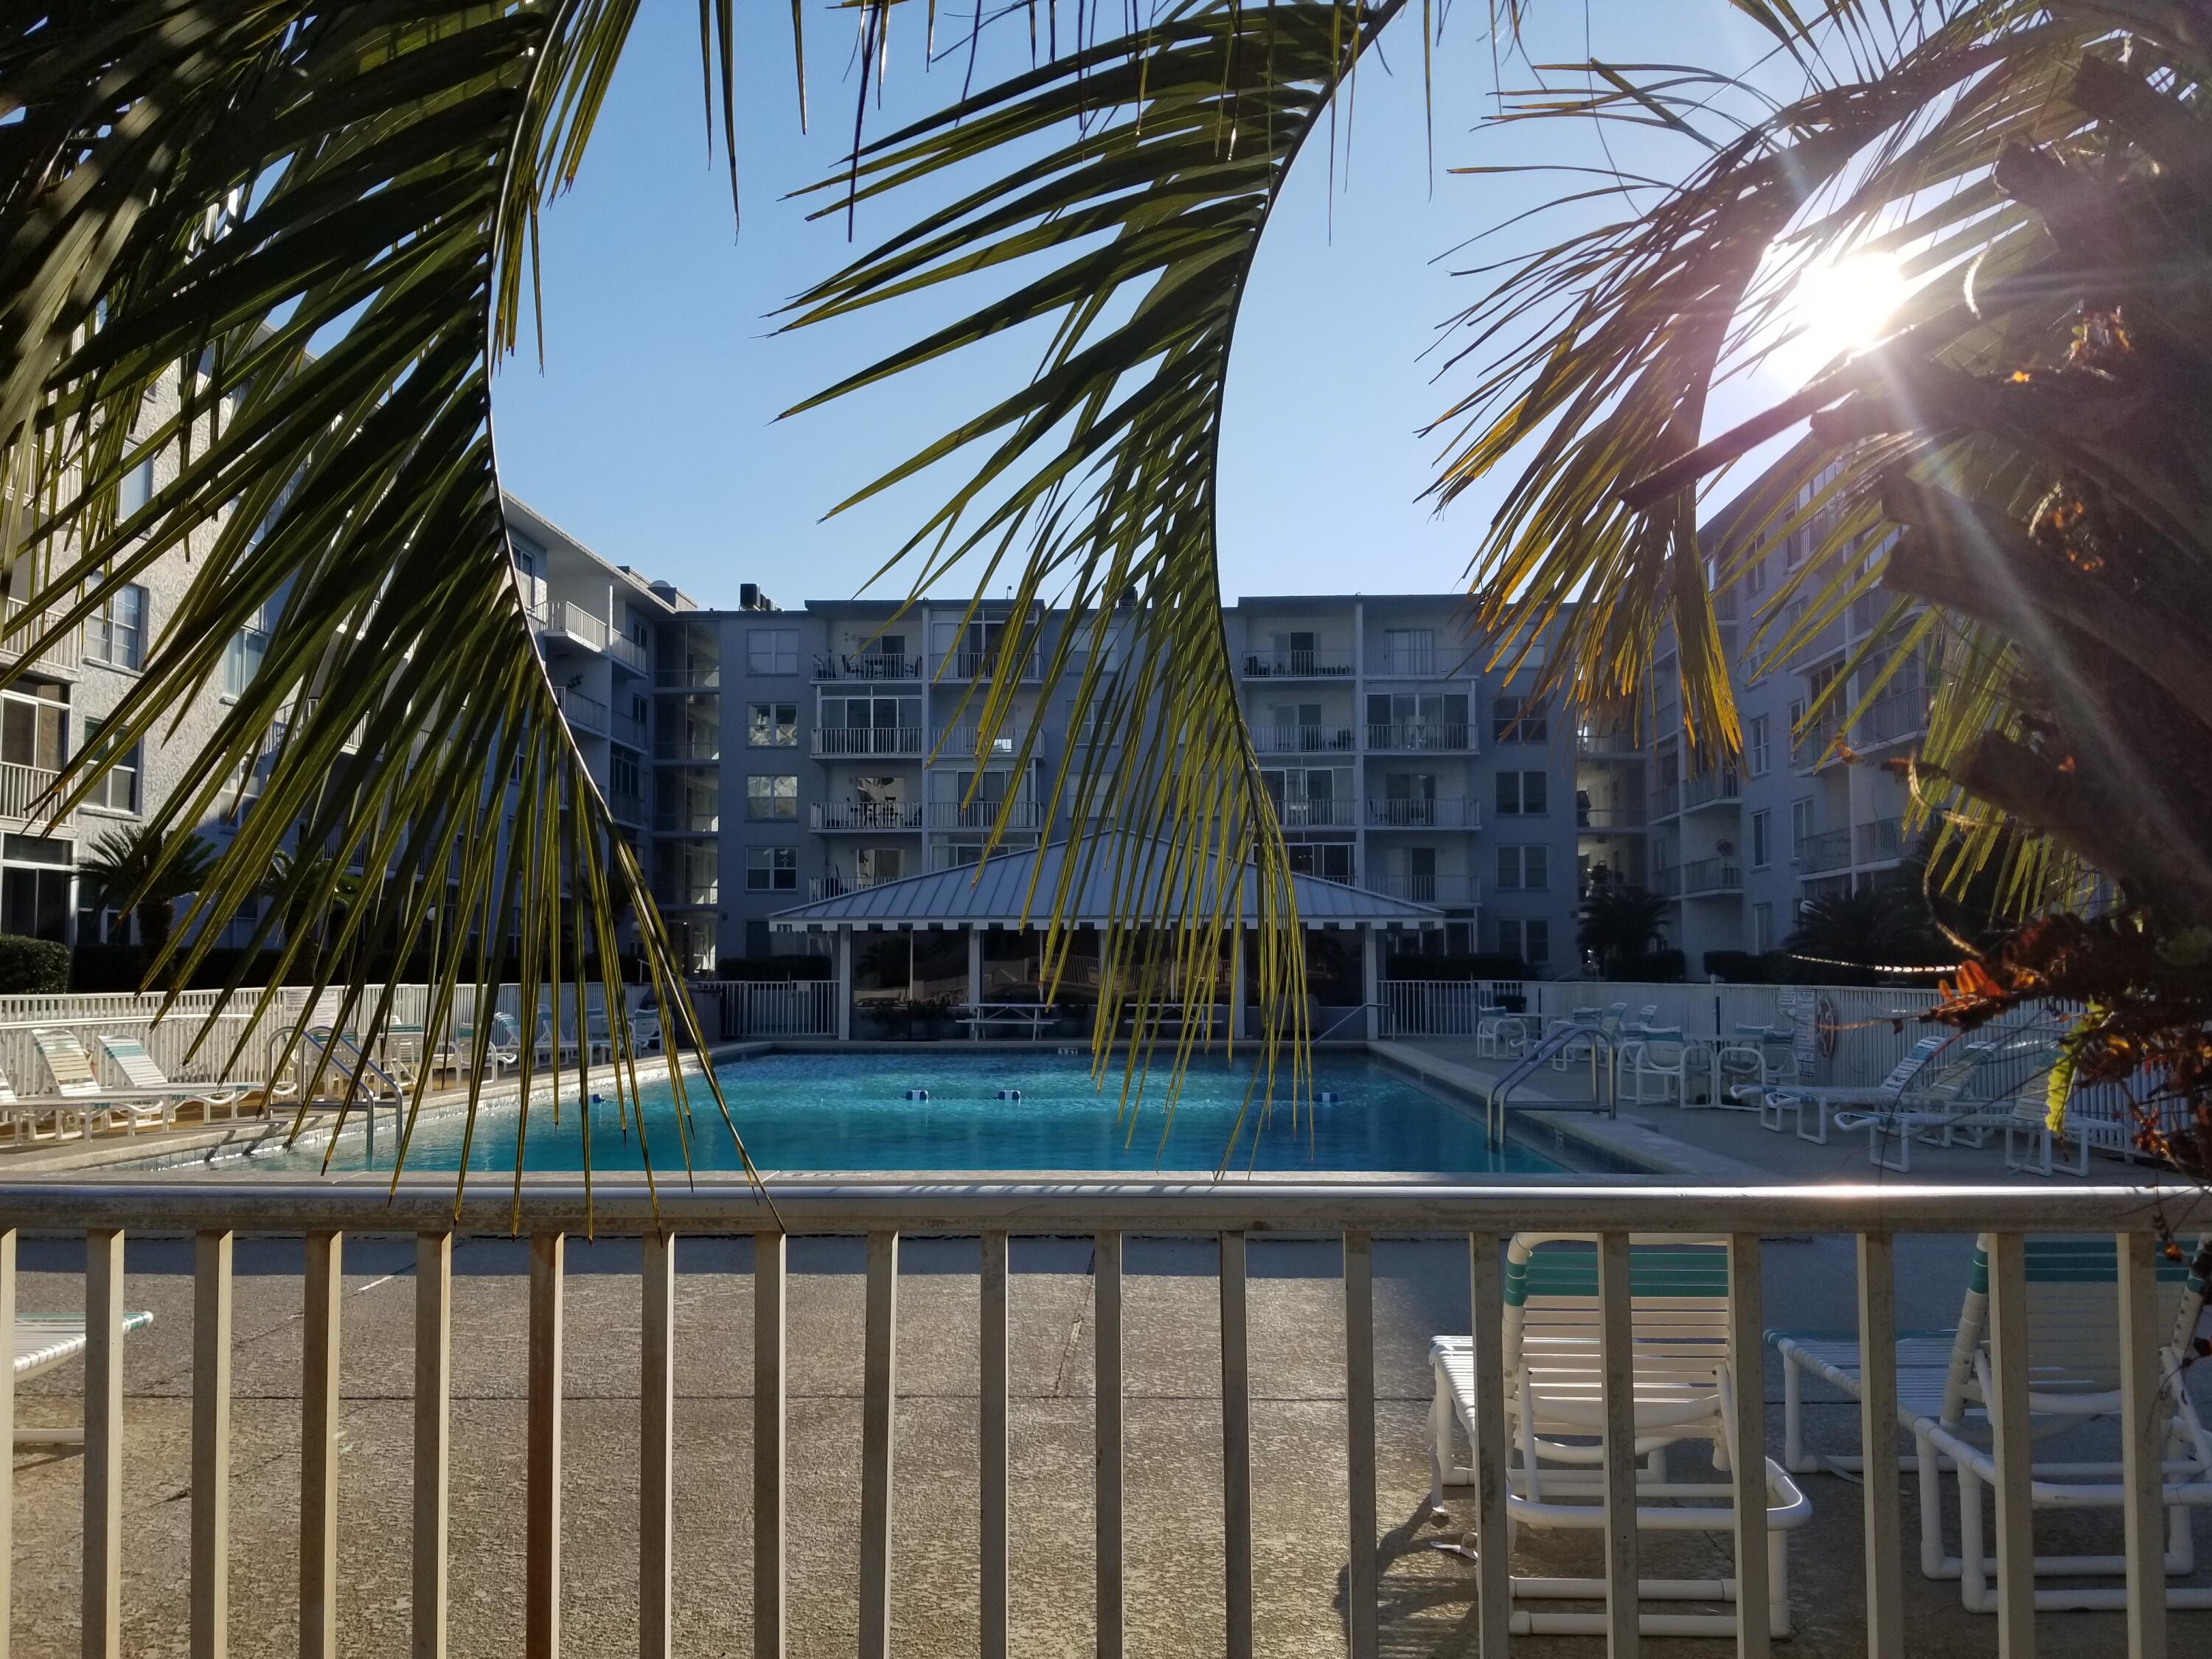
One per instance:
(851, 1111)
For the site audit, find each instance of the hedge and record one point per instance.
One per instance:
(32, 967)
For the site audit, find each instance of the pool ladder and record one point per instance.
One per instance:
(1554, 1048)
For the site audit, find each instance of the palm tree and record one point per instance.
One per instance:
(1858, 935)
(147, 868)
(1616, 922)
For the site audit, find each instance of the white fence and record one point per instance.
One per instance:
(758, 1008)
(1356, 1212)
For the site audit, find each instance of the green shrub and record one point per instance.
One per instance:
(1652, 968)
(32, 966)
(1750, 967)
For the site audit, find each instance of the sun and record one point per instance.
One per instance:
(1843, 304)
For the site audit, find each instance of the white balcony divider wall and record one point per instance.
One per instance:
(1356, 1212)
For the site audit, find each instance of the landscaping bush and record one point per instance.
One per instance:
(1750, 966)
(1652, 968)
(31, 967)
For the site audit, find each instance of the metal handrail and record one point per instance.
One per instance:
(1547, 1048)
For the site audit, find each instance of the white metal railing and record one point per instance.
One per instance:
(949, 745)
(869, 740)
(836, 886)
(1317, 814)
(627, 729)
(1445, 812)
(865, 815)
(570, 620)
(1301, 739)
(868, 665)
(583, 713)
(1356, 1212)
(1021, 814)
(757, 1008)
(1428, 890)
(63, 650)
(23, 788)
(1423, 736)
(628, 652)
(698, 746)
(1298, 664)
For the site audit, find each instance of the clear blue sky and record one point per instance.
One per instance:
(651, 433)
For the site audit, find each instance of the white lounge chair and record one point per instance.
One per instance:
(1680, 1068)
(1947, 1102)
(2103, 1119)
(1555, 1418)
(30, 1121)
(2069, 1290)
(128, 1056)
(1795, 1101)
(45, 1341)
(74, 1079)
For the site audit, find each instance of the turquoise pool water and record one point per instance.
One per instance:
(850, 1111)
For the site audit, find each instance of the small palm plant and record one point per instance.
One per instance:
(1617, 923)
(146, 869)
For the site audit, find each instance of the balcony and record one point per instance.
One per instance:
(1878, 842)
(1894, 717)
(1709, 877)
(1666, 800)
(1423, 736)
(984, 815)
(686, 821)
(564, 620)
(627, 808)
(629, 652)
(1447, 814)
(697, 747)
(583, 713)
(1666, 880)
(829, 887)
(949, 745)
(866, 815)
(1299, 665)
(1302, 739)
(872, 666)
(1816, 750)
(1831, 850)
(63, 652)
(1619, 744)
(1710, 789)
(688, 679)
(1295, 815)
(23, 788)
(1419, 662)
(1427, 890)
(627, 729)
(860, 742)
(686, 895)
(983, 664)
(1603, 820)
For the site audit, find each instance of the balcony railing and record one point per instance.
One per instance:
(63, 652)
(836, 886)
(1599, 745)
(1712, 875)
(1302, 739)
(1317, 814)
(687, 821)
(1707, 789)
(984, 814)
(1666, 800)
(1666, 880)
(698, 746)
(1447, 812)
(22, 789)
(901, 1475)
(1421, 661)
(1816, 748)
(1299, 665)
(583, 713)
(1876, 841)
(1427, 890)
(627, 808)
(626, 729)
(688, 895)
(1609, 817)
(1422, 736)
(981, 665)
(886, 741)
(870, 665)
(568, 620)
(629, 652)
(688, 679)
(1830, 849)
(865, 815)
(1894, 716)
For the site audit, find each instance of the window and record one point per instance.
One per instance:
(1519, 719)
(117, 790)
(1524, 869)
(771, 869)
(1762, 928)
(1754, 576)
(771, 651)
(1762, 839)
(1531, 941)
(1524, 794)
(623, 773)
(772, 725)
(1330, 861)
(137, 488)
(241, 658)
(35, 902)
(116, 633)
(1409, 650)
(1801, 826)
(771, 797)
(1755, 747)
(31, 732)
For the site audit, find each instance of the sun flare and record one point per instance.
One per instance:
(1843, 304)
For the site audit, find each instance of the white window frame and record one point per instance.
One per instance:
(771, 651)
(767, 803)
(782, 723)
(771, 869)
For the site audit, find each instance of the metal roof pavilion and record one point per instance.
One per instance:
(994, 893)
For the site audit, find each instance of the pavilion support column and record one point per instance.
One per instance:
(1370, 979)
(976, 979)
(844, 937)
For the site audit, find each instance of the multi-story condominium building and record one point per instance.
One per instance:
(1740, 851)
(1397, 760)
